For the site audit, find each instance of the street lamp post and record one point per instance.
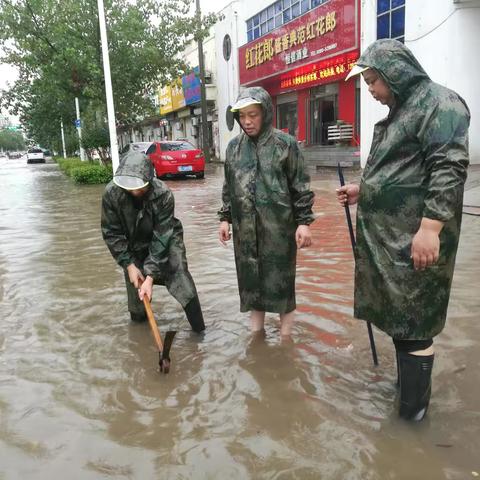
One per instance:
(203, 93)
(108, 87)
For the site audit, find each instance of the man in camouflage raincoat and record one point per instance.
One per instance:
(145, 239)
(268, 201)
(409, 212)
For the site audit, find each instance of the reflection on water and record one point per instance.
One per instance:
(80, 388)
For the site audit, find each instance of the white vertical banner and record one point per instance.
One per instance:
(108, 87)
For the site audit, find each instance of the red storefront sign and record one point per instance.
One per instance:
(325, 32)
(326, 71)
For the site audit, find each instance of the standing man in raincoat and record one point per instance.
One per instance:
(145, 239)
(267, 200)
(409, 212)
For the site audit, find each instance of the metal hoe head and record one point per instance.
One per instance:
(164, 355)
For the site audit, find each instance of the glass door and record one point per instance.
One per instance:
(323, 113)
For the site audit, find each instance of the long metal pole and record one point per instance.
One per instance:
(353, 242)
(79, 130)
(63, 139)
(108, 87)
(203, 93)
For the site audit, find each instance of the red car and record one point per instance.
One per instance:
(176, 158)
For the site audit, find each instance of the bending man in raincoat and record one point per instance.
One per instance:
(145, 239)
(267, 200)
(409, 212)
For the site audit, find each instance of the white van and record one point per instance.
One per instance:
(35, 155)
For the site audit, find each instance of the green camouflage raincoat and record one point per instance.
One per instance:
(416, 168)
(147, 233)
(266, 195)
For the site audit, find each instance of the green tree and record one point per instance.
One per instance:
(55, 44)
(11, 141)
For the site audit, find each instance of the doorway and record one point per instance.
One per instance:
(323, 112)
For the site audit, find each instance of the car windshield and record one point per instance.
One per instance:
(140, 147)
(35, 150)
(176, 146)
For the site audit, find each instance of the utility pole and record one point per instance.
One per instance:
(203, 93)
(63, 139)
(108, 87)
(78, 124)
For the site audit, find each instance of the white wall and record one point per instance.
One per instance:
(444, 37)
(228, 82)
(450, 53)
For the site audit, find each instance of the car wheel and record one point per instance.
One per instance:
(200, 175)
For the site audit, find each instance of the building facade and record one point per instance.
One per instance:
(300, 52)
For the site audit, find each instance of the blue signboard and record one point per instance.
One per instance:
(191, 87)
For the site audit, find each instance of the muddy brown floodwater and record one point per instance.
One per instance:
(80, 392)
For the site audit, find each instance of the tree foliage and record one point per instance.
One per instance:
(11, 141)
(55, 44)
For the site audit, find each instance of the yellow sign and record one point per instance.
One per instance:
(165, 100)
(178, 99)
(265, 50)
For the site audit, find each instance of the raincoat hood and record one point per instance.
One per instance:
(396, 64)
(135, 171)
(262, 96)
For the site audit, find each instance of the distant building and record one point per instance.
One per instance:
(178, 104)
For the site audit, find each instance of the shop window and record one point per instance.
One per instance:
(287, 119)
(391, 19)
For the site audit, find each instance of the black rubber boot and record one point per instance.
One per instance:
(193, 311)
(415, 385)
(138, 317)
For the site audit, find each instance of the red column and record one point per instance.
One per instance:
(274, 103)
(303, 96)
(346, 101)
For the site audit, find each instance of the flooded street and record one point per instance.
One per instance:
(80, 392)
